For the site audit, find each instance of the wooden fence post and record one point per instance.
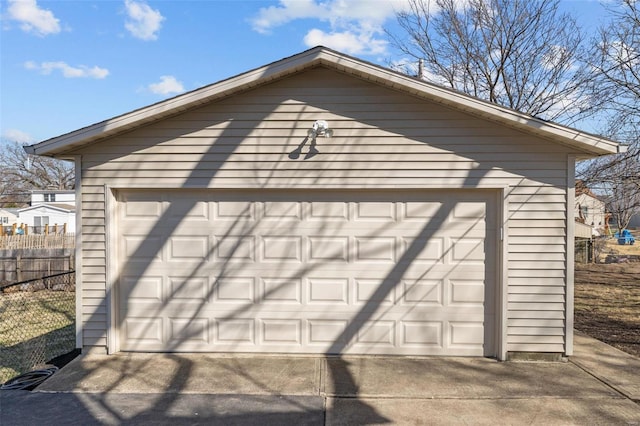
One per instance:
(18, 268)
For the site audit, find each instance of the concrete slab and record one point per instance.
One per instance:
(18, 408)
(530, 411)
(614, 367)
(188, 373)
(458, 378)
(260, 389)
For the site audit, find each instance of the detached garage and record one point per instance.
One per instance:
(325, 205)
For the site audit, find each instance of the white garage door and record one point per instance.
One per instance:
(380, 272)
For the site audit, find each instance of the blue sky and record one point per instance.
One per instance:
(66, 64)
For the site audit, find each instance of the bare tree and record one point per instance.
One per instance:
(521, 54)
(614, 59)
(614, 83)
(21, 173)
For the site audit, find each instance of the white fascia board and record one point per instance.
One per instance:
(583, 142)
(46, 206)
(174, 105)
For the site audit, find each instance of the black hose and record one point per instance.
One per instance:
(28, 381)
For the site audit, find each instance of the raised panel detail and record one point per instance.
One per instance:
(235, 210)
(465, 333)
(235, 331)
(466, 292)
(282, 210)
(322, 210)
(142, 248)
(236, 248)
(144, 289)
(469, 210)
(281, 290)
(328, 248)
(424, 250)
(282, 248)
(188, 288)
(374, 291)
(184, 208)
(468, 250)
(281, 331)
(188, 330)
(377, 333)
(143, 330)
(199, 211)
(422, 333)
(234, 289)
(326, 331)
(142, 209)
(188, 248)
(422, 292)
(377, 249)
(422, 210)
(369, 210)
(328, 290)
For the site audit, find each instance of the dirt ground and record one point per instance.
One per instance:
(607, 300)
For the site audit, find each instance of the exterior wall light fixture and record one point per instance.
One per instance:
(319, 128)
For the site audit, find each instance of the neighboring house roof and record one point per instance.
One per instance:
(586, 145)
(10, 210)
(581, 189)
(53, 191)
(64, 208)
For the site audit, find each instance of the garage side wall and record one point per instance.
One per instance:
(381, 139)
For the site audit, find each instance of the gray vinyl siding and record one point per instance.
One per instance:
(382, 139)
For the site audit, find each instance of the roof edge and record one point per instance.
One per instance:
(179, 103)
(590, 145)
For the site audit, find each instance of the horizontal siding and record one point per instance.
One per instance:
(382, 139)
(537, 261)
(533, 347)
(93, 265)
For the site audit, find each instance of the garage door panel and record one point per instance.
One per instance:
(234, 248)
(402, 272)
(194, 331)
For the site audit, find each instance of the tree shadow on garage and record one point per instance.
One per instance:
(202, 175)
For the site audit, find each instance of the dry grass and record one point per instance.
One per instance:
(607, 303)
(34, 327)
(611, 247)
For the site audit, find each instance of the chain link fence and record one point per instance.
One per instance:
(37, 323)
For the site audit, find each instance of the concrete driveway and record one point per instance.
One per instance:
(598, 386)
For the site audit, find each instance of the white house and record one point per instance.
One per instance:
(39, 215)
(8, 216)
(325, 205)
(589, 209)
(53, 196)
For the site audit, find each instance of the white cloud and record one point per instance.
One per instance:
(32, 18)
(346, 41)
(142, 22)
(167, 85)
(15, 135)
(288, 10)
(337, 12)
(81, 71)
(355, 26)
